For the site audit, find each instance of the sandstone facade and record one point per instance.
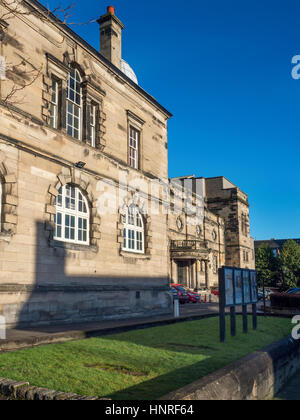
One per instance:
(78, 123)
(215, 236)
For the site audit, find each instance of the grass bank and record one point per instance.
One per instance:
(143, 364)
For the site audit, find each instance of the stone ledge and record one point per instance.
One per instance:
(134, 255)
(73, 247)
(24, 391)
(78, 288)
(259, 376)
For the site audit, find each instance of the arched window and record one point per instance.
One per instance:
(134, 237)
(74, 105)
(72, 216)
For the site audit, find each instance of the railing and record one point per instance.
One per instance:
(187, 245)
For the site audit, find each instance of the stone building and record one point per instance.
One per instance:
(81, 132)
(83, 163)
(218, 236)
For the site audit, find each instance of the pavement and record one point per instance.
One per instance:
(18, 338)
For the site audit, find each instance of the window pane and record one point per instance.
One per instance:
(71, 95)
(69, 225)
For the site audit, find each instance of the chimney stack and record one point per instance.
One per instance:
(111, 37)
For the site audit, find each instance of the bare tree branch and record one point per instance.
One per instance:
(18, 76)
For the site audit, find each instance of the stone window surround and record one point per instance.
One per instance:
(9, 204)
(59, 71)
(147, 231)
(137, 123)
(76, 178)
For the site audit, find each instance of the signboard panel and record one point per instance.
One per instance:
(229, 294)
(254, 296)
(237, 288)
(238, 285)
(246, 287)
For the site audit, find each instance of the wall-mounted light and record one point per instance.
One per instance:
(80, 165)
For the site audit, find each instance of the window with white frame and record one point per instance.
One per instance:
(134, 140)
(74, 105)
(133, 232)
(72, 216)
(54, 105)
(92, 132)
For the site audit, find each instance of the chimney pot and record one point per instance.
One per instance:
(111, 10)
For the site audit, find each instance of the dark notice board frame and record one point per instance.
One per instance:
(241, 290)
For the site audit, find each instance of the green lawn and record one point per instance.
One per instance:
(144, 364)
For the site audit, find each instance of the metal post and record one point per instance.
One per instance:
(222, 326)
(245, 319)
(176, 307)
(222, 305)
(233, 321)
(254, 317)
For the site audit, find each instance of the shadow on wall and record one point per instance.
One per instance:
(58, 298)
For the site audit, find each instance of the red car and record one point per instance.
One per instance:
(215, 292)
(192, 296)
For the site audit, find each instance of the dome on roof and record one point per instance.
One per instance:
(127, 70)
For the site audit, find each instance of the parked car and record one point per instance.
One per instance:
(193, 297)
(215, 292)
(261, 295)
(183, 298)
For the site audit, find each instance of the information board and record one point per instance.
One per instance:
(237, 288)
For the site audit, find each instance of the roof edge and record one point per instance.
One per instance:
(55, 20)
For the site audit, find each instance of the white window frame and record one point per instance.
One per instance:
(54, 104)
(133, 231)
(75, 213)
(92, 123)
(134, 145)
(73, 103)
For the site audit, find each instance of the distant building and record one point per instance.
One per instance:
(275, 244)
(221, 236)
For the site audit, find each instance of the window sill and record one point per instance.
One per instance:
(61, 132)
(73, 247)
(135, 255)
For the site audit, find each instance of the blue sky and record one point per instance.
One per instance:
(224, 70)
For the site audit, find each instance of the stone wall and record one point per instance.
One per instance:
(259, 376)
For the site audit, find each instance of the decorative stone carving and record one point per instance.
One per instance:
(9, 203)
